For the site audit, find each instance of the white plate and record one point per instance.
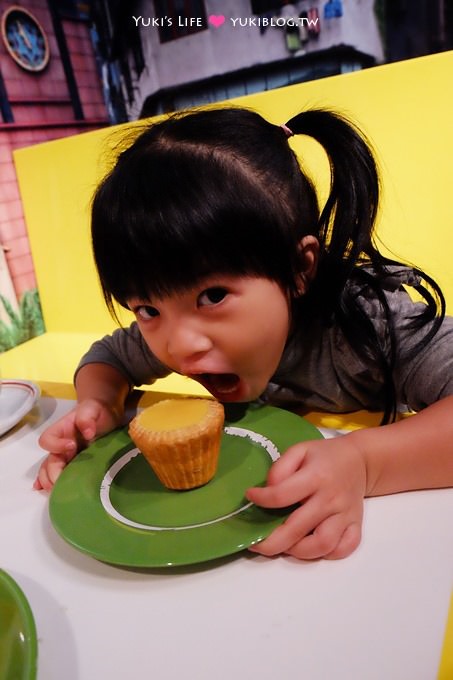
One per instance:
(17, 398)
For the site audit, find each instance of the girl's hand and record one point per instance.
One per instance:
(328, 478)
(69, 435)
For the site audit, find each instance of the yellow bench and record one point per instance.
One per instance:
(404, 108)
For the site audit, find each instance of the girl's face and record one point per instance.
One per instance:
(228, 333)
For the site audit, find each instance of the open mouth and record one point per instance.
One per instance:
(219, 384)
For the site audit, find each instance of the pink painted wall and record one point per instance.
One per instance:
(42, 111)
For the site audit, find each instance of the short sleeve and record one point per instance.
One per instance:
(126, 351)
(425, 376)
(421, 376)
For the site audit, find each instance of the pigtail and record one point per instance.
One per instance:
(346, 223)
(345, 233)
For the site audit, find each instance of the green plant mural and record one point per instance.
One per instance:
(25, 322)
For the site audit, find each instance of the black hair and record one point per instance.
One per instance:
(220, 191)
(205, 192)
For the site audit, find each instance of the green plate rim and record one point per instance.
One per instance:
(28, 672)
(78, 516)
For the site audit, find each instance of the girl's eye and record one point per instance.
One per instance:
(146, 312)
(212, 296)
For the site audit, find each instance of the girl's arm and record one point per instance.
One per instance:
(104, 384)
(415, 453)
(330, 478)
(101, 394)
(103, 380)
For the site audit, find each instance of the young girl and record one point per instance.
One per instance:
(208, 229)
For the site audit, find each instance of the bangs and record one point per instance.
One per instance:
(186, 219)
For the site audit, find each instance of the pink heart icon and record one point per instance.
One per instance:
(216, 20)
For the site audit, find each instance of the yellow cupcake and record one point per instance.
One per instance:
(180, 439)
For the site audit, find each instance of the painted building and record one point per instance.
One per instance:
(49, 87)
(173, 53)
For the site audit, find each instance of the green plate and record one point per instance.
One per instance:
(18, 641)
(109, 503)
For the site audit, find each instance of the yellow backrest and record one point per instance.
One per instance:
(404, 108)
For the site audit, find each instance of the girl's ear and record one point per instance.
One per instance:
(308, 255)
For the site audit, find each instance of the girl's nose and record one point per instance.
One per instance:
(187, 344)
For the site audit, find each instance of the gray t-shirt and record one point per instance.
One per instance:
(320, 370)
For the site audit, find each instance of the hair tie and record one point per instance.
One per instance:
(287, 131)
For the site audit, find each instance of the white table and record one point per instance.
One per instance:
(378, 615)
